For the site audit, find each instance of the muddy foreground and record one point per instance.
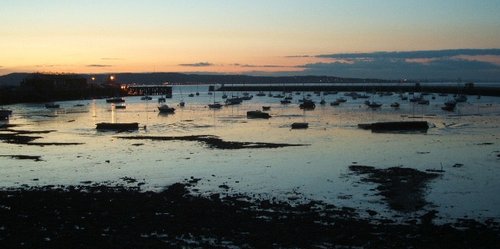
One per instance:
(96, 216)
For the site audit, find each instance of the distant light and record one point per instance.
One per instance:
(93, 78)
(112, 77)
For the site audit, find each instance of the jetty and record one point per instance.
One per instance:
(149, 90)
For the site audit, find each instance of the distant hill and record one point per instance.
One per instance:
(14, 79)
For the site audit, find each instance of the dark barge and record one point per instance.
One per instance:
(117, 126)
(403, 126)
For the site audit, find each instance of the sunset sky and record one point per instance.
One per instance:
(255, 37)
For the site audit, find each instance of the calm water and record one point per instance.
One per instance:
(469, 136)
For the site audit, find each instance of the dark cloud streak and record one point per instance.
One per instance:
(198, 64)
(98, 65)
(261, 66)
(414, 54)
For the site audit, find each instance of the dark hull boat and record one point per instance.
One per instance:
(234, 101)
(115, 100)
(52, 106)
(300, 125)
(215, 105)
(117, 126)
(449, 105)
(166, 109)
(258, 114)
(307, 105)
(395, 105)
(373, 104)
(120, 106)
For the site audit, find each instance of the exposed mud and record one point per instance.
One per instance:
(99, 216)
(24, 137)
(24, 157)
(402, 188)
(213, 142)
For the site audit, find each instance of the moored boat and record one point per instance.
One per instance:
(373, 104)
(164, 108)
(285, 101)
(300, 125)
(449, 105)
(234, 101)
(115, 100)
(307, 104)
(258, 114)
(120, 106)
(215, 105)
(52, 106)
(395, 105)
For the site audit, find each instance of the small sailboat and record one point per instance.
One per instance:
(215, 104)
(52, 106)
(395, 105)
(449, 105)
(182, 103)
(285, 101)
(373, 104)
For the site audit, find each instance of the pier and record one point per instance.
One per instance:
(149, 90)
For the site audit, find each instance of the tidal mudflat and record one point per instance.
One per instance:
(443, 181)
